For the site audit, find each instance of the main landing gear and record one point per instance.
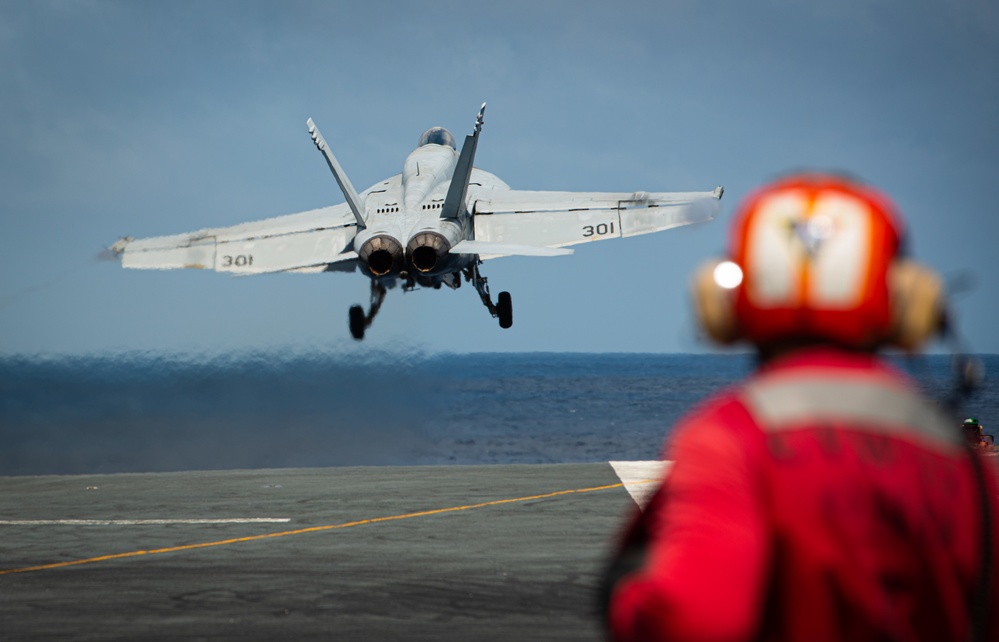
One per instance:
(359, 321)
(504, 303)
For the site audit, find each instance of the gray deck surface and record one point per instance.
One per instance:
(524, 569)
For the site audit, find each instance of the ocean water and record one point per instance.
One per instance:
(142, 413)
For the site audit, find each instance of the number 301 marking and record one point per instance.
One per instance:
(600, 229)
(241, 260)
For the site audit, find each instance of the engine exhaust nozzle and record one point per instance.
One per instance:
(382, 254)
(427, 251)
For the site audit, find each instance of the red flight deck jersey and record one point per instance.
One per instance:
(823, 499)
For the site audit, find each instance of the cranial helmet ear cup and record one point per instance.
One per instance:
(917, 304)
(916, 294)
(714, 305)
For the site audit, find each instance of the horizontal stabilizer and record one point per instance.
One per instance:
(507, 249)
(303, 266)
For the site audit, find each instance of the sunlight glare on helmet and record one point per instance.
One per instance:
(728, 275)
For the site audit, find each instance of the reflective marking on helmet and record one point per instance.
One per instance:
(843, 257)
(786, 403)
(771, 259)
(812, 253)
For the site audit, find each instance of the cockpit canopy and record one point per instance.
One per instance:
(437, 136)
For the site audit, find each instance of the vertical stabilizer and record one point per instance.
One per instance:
(454, 204)
(349, 193)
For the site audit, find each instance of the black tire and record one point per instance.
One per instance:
(357, 322)
(504, 307)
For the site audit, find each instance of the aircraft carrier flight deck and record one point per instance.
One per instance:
(375, 553)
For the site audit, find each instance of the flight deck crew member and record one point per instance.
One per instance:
(974, 432)
(823, 498)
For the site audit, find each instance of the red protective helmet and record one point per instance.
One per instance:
(818, 261)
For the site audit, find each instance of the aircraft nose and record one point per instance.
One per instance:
(382, 254)
(426, 250)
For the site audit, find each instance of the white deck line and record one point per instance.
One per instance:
(141, 522)
(641, 478)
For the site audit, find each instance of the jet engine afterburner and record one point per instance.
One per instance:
(382, 254)
(427, 250)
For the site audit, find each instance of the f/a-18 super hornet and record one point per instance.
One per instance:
(433, 224)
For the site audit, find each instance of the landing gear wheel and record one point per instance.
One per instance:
(357, 322)
(358, 319)
(504, 308)
(504, 305)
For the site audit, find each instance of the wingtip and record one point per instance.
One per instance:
(118, 247)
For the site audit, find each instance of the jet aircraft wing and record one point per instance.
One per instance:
(559, 219)
(307, 241)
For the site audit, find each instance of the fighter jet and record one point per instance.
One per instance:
(433, 224)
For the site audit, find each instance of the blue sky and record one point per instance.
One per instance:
(140, 118)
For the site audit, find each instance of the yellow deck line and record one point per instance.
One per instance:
(302, 531)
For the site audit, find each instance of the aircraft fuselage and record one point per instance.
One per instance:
(405, 232)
